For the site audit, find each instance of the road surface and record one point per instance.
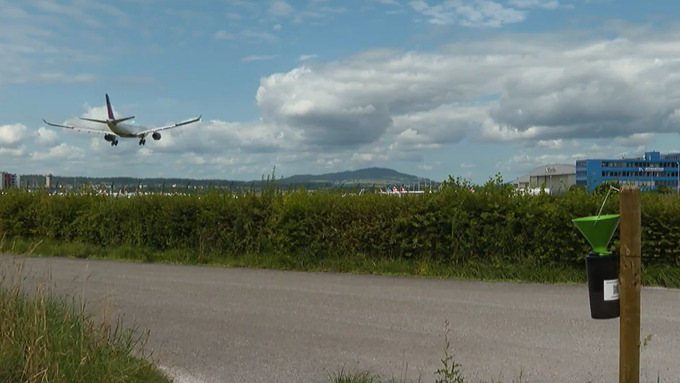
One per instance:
(238, 325)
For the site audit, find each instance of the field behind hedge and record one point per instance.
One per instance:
(492, 225)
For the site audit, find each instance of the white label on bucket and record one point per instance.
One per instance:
(611, 290)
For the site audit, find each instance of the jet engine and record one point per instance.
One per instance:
(109, 137)
(156, 136)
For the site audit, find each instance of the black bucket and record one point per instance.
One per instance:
(603, 285)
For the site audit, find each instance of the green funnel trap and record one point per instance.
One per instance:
(598, 230)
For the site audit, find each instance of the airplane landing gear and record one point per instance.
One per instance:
(142, 141)
(114, 143)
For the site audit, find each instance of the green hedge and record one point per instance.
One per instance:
(492, 224)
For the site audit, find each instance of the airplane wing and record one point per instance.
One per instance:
(88, 130)
(166, 127)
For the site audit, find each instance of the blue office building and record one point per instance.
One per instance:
(648, 172)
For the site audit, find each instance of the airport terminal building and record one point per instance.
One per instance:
(648, 172)
(556, 178)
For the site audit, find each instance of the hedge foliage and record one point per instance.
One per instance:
(492, 224)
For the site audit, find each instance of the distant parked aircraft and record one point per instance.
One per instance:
(121, 129)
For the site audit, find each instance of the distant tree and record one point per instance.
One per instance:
(664, 189)
(603, 188)
(575, 188)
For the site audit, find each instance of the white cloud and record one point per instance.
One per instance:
(13, 152)
(329, 163)
(258, 58)
(13, 135)
(386, 2)
(46, 137)
(215, 137)
(545, 4)
(475, 13)
(223, 35)
(526, 161)
(553, 88)
(557, 144)
(247, 34)
(444, 124)
(279, 8)
(145, 152)
(255, 35)
(318, 10)
(44, 29)
(190, 158)
(54, 77)
(306, 57)
(635, 140)
(246, 4)
(60, 152)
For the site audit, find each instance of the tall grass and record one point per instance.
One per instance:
(47, 337)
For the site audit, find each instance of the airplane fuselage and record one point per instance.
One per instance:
(122, 129)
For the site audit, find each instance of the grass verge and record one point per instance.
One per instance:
(46, 338)
(352, 263)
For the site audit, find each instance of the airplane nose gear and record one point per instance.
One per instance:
(114, 143)
(142, 141)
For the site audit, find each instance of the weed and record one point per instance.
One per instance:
(450, 373)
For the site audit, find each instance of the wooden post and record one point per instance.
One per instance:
(630, 284)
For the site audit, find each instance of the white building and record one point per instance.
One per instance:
(556, 178)
(49, 180)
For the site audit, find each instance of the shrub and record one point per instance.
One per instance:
(492, 224)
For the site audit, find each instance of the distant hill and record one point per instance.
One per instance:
(361, 176)
(364, 177)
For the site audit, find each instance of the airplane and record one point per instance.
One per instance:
(121, 129)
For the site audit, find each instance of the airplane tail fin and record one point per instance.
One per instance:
(111, 116)
(108, 108)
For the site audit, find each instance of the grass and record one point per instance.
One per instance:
(356, 263)
(44, 337)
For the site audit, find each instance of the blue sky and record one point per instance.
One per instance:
(434, 88)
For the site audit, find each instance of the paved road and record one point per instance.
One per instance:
(239, 325)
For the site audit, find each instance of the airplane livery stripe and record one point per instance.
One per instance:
(108, 107)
